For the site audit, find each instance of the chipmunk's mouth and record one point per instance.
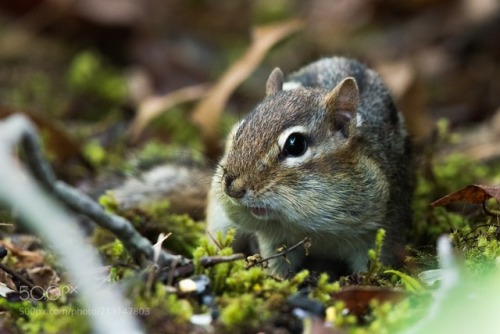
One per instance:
(260, 212)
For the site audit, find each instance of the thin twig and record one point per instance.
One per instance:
(19, 278)
(286, 251)
(205, 262)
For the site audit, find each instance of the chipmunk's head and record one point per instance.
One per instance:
(282, 152)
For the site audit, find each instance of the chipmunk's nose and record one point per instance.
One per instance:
(233, 186)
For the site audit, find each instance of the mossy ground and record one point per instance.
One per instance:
(241, 299)
(246, 300)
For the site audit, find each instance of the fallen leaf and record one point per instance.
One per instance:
(154, 106)
(25, 259)
(475, 194)
(207, 112)
(6, 279)
(43, 277)
(357, 299)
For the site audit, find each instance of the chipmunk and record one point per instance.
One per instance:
(325, 155)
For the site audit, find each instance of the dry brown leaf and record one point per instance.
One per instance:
(7, 280)
(25, 259)
(207, 113)
(357, 298)
(475, 194)
(44, 277)
(153, 106)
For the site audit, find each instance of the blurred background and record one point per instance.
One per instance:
(84, 69)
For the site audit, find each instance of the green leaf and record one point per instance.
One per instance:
(410, 283)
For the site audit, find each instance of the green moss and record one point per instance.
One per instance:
(51, 317)
(108, 202)
(154, 218)
(180, 130)
(151, 220)
(446, 176)
(36, 89)
(374, 255)
(218, 274)
(89, 74)
(457, 170)
(243, 312)
(437, 177)
(244, 281)
(95, 153)
(161, 302)
(115, 251)
(16, 310)
(154, 153)
(481, 246)
(186, 232)
(383, 317)
(324, 289)
(273, 11)
(250, 297)
(341, 317)
(444, 135)
(389, 317)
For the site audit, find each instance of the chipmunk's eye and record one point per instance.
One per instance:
(295, 145)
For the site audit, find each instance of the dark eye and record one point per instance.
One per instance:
(295, 145)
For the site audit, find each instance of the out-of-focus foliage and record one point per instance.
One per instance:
(89, 75)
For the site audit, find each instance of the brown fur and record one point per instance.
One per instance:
(353, 178)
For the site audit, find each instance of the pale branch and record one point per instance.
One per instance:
(210, 261)
(138, 246)
(40, 213)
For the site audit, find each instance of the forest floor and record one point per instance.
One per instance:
(119, 97)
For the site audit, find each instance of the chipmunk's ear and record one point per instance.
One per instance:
(342, 104)
(274, 82)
